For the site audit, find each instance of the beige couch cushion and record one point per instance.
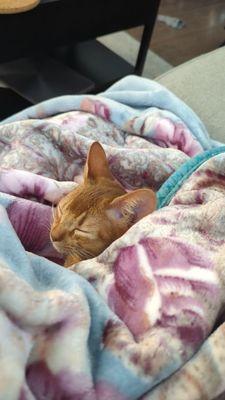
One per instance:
(201, 84)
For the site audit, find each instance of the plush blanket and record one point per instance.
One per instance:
(137, 322)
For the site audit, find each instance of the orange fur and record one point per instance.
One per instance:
(97, 212)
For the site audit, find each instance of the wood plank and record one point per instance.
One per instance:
(204, 31)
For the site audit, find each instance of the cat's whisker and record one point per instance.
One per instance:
(76, 251)
(47, 226)
(80, 252)
(53, 210)
(86, 253)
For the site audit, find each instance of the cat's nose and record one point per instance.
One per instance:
(57, 235)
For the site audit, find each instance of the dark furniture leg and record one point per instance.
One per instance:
(146, 38)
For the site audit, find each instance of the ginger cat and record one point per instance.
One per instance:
(97, 212)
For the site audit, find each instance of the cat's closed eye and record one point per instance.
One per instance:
(80, 232)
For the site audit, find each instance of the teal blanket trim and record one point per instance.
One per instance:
(175, 181)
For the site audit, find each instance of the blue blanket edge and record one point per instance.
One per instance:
(176, 180)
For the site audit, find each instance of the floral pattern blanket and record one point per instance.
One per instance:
(144, 320)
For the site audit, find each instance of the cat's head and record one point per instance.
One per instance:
(98, 211)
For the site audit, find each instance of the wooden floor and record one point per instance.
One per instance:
(204, 30)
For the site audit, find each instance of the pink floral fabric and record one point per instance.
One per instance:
(136, 322)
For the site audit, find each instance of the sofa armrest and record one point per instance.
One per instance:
(200, 82)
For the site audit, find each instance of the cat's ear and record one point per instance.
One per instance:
(133, 206)
(97, 165)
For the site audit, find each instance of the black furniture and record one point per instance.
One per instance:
(51, 50)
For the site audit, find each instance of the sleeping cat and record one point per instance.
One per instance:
(97, 212)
